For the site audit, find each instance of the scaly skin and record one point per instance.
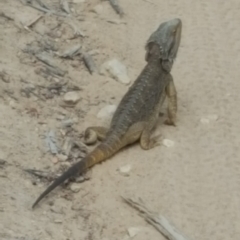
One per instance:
(138, 111)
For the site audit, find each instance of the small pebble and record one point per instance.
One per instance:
(12, 104)
(106, 112)
(133, 231)
(62, 157)
(204, 120)
(60, 117)
(75, 63)
(117, 70)
(72, 97)
(58, 221)
(30, 86)
(209, 118)
(65, 164)
(75, 187)
(124, 170)
(69, 122)
(56, 209)
(116, 21)
(168, 143)
(55, 159)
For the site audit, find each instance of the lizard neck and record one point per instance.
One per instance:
(156, 59)
(154, 56)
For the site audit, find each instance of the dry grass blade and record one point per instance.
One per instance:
(158, 221)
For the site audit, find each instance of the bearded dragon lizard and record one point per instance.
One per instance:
(138, 111)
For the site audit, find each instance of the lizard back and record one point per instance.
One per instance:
(141, 98)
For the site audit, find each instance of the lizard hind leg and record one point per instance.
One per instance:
(134, 133)
(94, 133)
(146, 142)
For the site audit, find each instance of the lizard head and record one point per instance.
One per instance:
(167, 37)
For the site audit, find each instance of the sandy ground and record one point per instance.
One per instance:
(195, 183)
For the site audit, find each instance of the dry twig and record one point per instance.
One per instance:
(34, 21)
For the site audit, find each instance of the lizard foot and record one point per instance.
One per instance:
(90, 136)
(151, 143)
(170, 122)
(155, 141)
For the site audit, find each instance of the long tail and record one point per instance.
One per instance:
(102, 152)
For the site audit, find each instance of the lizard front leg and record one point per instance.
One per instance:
(94, 133)
(172, 103)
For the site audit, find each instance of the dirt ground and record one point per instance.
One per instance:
(194, 183)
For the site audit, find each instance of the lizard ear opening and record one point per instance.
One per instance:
(167, 65)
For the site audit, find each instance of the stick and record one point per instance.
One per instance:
(34, 21)
(27, 27)
(158, 221)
